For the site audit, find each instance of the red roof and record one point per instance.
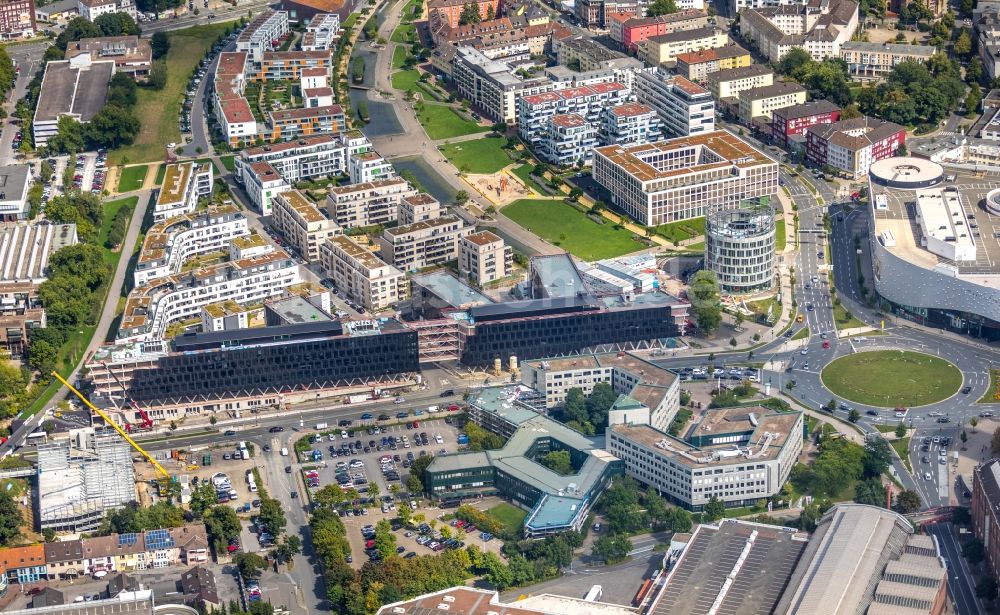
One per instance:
(237, 111)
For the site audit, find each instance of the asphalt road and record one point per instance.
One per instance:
(959, 576)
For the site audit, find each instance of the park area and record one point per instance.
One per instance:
(890, 378)
(159, 109)
(677, 232)
(443, 122)
(482, 156)
(565, 226)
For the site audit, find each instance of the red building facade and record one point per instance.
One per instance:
(795, 120)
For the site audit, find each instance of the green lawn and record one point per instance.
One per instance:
(697, 246)
(801, 334)
(403, 33)
(841, 320)
(442, 122)
(110, 209)
(889, 378)
(350, 21)
(70, 353)
(229, 162)
(685, 229)
(481, 156)
(405, 80)
(159, 109)
(131, 178)
(565, 226)
(902, 447)
(779, 234)
(524, 173)
(160, 173)
(511, 516)
(398, 57)
(988, 396)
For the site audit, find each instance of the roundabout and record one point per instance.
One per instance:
(889, 378)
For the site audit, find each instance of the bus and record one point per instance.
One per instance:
(594, 594)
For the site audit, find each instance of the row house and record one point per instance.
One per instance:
(629, 31)
(22, 565)
(361, 275)
(495, 38)
(586, 101)
(789, 125)
(368, 203)
(851, 146)
(294, 123)
(301, 223)
(422, 244)
(629, 124)
(567, 139)
(698, 65)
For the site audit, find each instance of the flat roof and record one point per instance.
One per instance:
(77, 90)
(471, 601)
(25, 248)
(556, 276)
(446, 287)
(303, 206)
(175, 182)
(735, 567)
(296, 310)
(352, 249)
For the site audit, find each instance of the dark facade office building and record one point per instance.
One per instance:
(277, 359)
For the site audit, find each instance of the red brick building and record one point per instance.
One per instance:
(986, 511)
(450, 11)
(17, 19)
(793, 121)
(851, 146)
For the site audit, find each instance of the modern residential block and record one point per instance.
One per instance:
(484, 257)
(421, 244)
(535, 111)
(874, 61)
(685, 108)
(362, 275)
(301, 223)
(262, 181)
(369, 203)
(418, 207)
(567, 139)
(629, 124)
(261, 33)
(183, 184)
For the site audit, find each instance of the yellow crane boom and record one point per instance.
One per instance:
(108, 420)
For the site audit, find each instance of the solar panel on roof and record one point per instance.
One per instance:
(159, 539)
(125, 540)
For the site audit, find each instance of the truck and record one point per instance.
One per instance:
(357, 399)
(594, 594)
(321, 426)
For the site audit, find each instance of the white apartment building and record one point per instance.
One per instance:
(150, 309)
(629, 124)
(365, 204)
(684, 107)
(362, 275)
(301, 223)
(656, 50)
(535, 111)
(491, 85)
(265, 28)
(819, 28)
(321, 33)
(741, 456)
(231, 107)
(484, 257)
(568, 139)
(183, 183)
(314, 156)
(261, 182)
(421, 244)
(730, 82)
(170, 243)
(92, 9)
(684, 178)
(310, 78)
(369, 166)
(652, 392)
(418, 207)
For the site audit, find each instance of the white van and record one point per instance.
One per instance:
(253, 487)
(284, 451)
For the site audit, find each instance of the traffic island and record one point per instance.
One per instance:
(890, 378)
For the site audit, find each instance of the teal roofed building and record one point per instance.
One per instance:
(556, 502)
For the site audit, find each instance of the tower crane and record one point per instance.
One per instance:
(115, 425)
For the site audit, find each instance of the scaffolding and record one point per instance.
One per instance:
(78, 484)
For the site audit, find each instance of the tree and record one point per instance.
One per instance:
(202, 498)
(870, 491)
(69, 137)
(385, 540)
(42, 356)
(714, 510)
(113, 126)
(10, 519)
(158, 75)
(963, 44)
(470, 14)
(250, 565)
(987, 588)
(974, 71)
(602, 397)
(575, 406)
(972, 100)
(900, 38)
(76, 29)
(461, 197)
(612, 549)
(490, 13)
(661, 7)
(964, 438)
(839, 463)
(966, 7)
(703, 293)
(973, 422)
(496, 572)
(416, 477)
(289, 547)
(117, 24)
(907, 502)
(558, 462)
(877, 457)
(222, 525)
(901, 430)
(160, 44)
(853, 416)
(794, 60)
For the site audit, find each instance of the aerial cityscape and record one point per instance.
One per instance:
(500, 307)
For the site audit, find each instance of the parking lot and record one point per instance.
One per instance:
(373, 454)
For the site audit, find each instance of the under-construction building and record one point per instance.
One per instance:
(81, 479)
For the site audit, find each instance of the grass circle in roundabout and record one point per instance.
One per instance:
(890, 378)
